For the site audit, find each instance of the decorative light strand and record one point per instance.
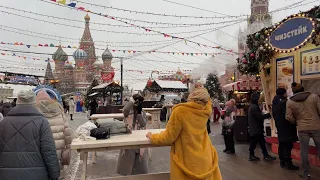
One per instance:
(113, 50)
(134, 20)
(146, 29)
(185, 16)
(75, 42)
(157, 14)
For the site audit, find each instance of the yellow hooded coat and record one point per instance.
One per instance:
(192, 155)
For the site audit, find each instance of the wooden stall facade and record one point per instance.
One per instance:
(296, 64)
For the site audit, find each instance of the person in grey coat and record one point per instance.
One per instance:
(133, 161)
(27, 148)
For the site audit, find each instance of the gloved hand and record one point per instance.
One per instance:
(267, 116)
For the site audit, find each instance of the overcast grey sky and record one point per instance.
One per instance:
(204, 64)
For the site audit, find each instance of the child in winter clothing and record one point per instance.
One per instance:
(227, 128)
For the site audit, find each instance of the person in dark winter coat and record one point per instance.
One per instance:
(208, 126)
(14, 102)
(93, 106)
(27, 147)
(5, 108)
(256, 128)
(287, 132)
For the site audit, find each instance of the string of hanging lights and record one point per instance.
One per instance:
(129, 19)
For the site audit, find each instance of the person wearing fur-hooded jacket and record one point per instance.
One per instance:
(54, 112)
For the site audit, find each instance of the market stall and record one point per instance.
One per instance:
(110, 93)
(161, 87)
(241, 92)
(284, 53)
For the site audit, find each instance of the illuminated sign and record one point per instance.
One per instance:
(292, 34)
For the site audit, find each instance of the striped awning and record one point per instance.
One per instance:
(243, 86)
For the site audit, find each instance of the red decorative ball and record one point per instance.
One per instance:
(149, 83)
(244, 61)
(252, 55)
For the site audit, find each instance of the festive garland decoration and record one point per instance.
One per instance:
(72, 5)
(128, 19)
(117, 50)
(115, 32)
(105, 42)
(260, 49)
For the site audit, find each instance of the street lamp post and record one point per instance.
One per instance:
(121, 91)
(188, 81)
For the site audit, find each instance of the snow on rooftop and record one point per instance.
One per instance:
(171, 84)
(17, 88)
(138, 86)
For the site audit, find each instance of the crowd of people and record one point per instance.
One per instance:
(296, 119)
(35, 132)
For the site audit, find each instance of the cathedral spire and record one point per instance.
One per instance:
(86, 34)
(49, 74)
(87, 44)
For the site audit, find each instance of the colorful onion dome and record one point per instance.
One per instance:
(98, 63)
(106, 55)
(60, 55)
(80, 54)
(68, 65)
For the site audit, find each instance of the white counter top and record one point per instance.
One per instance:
(137, 138)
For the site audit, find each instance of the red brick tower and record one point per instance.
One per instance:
(259, 18)
(259, 12)
(87, 45)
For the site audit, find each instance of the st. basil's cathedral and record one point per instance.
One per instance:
(87, 65)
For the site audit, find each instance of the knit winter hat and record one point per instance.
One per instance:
(199, 95)
(42, 96)
(281, 91)
(297, 87)
(26, 97)
(198, 85)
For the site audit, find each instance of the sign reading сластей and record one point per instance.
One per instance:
(292, 33)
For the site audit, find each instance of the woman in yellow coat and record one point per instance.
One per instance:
(192, 155)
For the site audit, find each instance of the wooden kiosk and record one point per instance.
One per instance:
(284, 53)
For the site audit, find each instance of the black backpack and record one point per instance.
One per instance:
(100, 133)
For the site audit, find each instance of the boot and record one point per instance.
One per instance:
(291, 166)
(71, 117)
(226, 150)
(231, 152)
(305, 175)
(282, 164)
(269, 158)
(254, 158)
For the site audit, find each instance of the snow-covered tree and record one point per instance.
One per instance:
(213, 86)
